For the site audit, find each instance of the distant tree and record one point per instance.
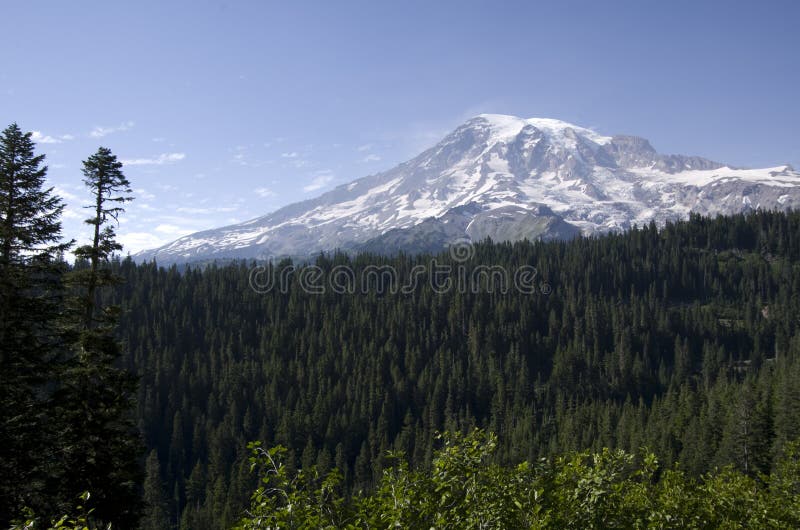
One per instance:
(156, 516)
(30, 299)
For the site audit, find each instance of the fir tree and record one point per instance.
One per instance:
(103, 445)
(30, 341)
(156, 516)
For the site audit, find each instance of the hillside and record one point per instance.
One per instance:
(683, 340)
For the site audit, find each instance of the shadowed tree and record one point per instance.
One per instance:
(156, 516)
(103, 445)
(30, 298)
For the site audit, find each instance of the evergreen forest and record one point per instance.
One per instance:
(682, 340)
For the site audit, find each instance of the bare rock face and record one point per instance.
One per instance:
(505, 178)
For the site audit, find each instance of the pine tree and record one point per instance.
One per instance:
(108, 186)
(30, 291)
(103, 445)
(156, 516)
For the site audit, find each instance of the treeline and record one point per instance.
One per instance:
(683, 340)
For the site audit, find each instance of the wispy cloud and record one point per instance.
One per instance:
(371, 158)
(160, 160)
(291, 154)
(320, 181)
(144, 194)
(38, 137)
(205, 211)
(66, 195)
(173, 230)
(364, 148)
(135, 241)
(264, 192)
(72, 214)
(242, 156)
(100, 131)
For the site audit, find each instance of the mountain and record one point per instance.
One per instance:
(502, 177)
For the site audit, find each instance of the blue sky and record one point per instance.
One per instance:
(224, 111)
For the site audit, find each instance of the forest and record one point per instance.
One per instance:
(661, 362)
(682, 340)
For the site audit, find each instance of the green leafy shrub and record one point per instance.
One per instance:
(465, 489)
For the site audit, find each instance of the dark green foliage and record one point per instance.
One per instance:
(65, 403)
(31, 341)
(30, 227)
(105, 180)
(100, 443)
(80, 516)
(681, 340)
(156, 516)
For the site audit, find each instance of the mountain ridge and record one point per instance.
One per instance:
(518, 178)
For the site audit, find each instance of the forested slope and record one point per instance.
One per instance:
(683, 340)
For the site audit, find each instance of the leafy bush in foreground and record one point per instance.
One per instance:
(464, 489)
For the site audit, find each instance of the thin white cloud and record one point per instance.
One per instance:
(264, 192)
(38, 137)
(320, 181)
(64, 194)
(290, 154)
(173, 230)
(100, 131)
(205, 211)
(160, 160)
(371, 158)
(159, 139)
(72, 214)
(143, 194)
(363, 148)
(135, 241)
(242, 156)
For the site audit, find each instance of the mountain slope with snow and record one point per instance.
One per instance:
(501, 177)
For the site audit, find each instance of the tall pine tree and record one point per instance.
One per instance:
(30, 341)
(103, 445)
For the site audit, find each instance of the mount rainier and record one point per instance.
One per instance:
(502, 177)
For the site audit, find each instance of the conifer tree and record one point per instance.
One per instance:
(30, 273)
(156, 516)
(103, 445)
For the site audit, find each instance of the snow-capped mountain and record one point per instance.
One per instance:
(506, 178)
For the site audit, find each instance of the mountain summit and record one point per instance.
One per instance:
(502, 177)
